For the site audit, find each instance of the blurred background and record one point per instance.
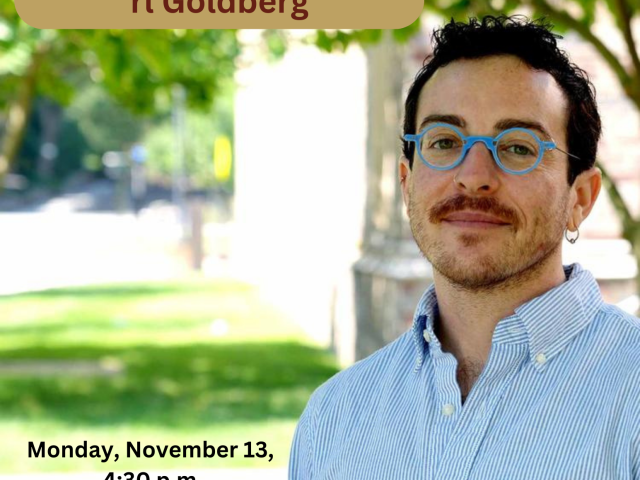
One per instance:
(199, 227)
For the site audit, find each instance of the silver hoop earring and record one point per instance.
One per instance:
(571, 240)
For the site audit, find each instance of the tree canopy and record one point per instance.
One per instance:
(137, 67)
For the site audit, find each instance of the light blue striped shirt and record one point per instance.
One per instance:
(559, 398)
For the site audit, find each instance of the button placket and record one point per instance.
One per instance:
(444, 364)
(473, 420)
(448, 410)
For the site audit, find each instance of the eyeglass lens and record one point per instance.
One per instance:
(517, 150)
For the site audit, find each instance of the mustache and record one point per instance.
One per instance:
(478, 204)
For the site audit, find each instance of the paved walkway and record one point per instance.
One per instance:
(77, 238)
(45, 250)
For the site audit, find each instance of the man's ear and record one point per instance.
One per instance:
(586, 187)
(405, 179)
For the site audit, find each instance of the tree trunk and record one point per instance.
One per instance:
(18, 114)
(391, 274)
(630, 226)
(50, 116)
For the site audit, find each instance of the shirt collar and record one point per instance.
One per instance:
(546, 323)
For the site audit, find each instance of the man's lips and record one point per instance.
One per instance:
(473, 218)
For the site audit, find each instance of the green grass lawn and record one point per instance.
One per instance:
(192, 361)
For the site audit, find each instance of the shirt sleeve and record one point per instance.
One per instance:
(300, 459)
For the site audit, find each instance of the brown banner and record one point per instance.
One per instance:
(354, 14)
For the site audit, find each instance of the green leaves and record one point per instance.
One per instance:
(332, 40)
(133, 65)
(16, 59)
(136, 67)
(402, 35)
(456, 9)
(277, 42)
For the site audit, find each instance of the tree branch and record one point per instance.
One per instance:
(585, 32)
(619, 205)
(624, 16)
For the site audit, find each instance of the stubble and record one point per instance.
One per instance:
(522, 254)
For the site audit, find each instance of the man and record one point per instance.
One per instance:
(514, 367)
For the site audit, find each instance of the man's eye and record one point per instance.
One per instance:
(519, 150)
(443, 144)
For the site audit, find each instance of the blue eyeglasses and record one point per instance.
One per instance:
(517, 150)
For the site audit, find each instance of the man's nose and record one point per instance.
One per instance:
(478, 172)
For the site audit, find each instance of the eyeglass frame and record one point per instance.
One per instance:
(489, 142)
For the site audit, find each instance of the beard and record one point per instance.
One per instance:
(517, 261)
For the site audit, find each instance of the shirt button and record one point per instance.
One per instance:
(448, 409)
(540, 358)
(426, 335)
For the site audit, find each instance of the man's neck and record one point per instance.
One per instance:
(468, 318)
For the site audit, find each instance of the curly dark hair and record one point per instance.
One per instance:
(533, 42)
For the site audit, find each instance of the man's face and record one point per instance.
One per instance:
(532, 209)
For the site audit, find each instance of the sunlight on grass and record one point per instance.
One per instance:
(121, 314)
(167, 363)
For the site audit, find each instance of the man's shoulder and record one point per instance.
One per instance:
(622, 324)
(618, 334)
(368, 375)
